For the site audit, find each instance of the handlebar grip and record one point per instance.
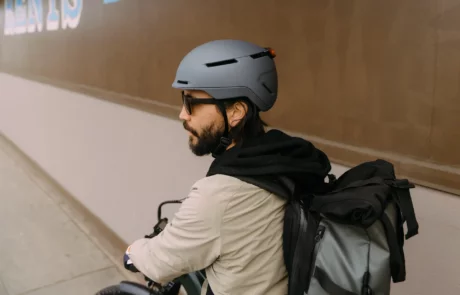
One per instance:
(128, 264)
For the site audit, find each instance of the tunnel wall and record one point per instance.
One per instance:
(361, 79)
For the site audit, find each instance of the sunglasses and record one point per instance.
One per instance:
(189, 101)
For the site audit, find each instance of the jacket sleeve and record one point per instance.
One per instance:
(190, 242)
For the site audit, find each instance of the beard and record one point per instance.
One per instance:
(206, 142)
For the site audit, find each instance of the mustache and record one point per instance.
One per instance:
(189, 129)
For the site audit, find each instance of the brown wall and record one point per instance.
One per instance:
(369, 78)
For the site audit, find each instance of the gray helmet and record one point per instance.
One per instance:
(231, 68)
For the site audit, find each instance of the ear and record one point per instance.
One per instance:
(236, 113)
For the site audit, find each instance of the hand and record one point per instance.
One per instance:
(128, 264)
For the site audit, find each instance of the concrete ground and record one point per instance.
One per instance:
(47, 245)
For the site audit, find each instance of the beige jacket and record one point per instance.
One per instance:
(232, 229)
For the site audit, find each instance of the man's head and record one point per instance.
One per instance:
(203, 119)
(225, 84)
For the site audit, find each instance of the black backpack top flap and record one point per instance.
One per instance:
(360, 203)
(378, 168)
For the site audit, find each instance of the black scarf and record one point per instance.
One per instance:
(275, 161)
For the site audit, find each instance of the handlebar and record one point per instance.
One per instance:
(167, 202)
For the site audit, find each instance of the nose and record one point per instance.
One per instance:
(184, 115)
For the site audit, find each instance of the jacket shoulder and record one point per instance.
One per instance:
(218, 185)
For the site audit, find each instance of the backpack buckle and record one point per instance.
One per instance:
(367, 291)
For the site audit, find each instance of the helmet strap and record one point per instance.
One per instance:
(225, 140)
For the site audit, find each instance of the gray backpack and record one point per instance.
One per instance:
(349, 239)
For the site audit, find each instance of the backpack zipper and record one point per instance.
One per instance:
(366, 289)
(318, 237)
(319, 234)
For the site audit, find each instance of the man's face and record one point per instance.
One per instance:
(205, 124)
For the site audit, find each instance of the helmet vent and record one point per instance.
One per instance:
(221, 63)
(268, 52)
(259, 55)
(182, 82)
(266, 87)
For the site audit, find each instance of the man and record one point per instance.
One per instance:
(231, 223)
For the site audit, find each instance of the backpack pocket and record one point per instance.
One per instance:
(341, 260)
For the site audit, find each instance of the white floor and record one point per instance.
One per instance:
(42, 250)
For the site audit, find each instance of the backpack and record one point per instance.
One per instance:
(349, 239)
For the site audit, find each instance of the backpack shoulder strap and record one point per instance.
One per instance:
(299, 242)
